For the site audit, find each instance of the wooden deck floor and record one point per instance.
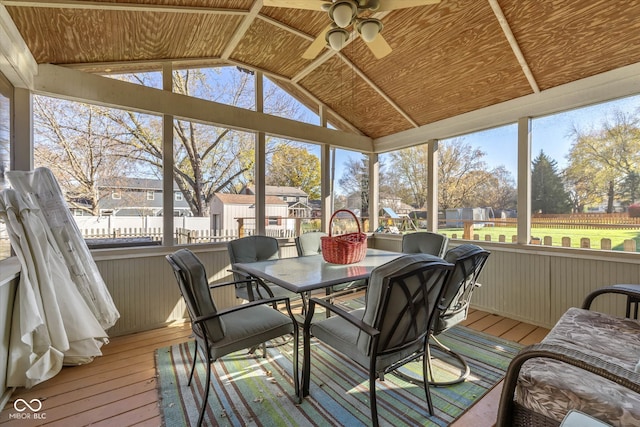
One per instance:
(119, 389)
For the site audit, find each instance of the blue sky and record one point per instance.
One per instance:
(550, 133)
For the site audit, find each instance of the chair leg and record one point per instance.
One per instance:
(464, 366)
(193, 364)
(429, 365)
(372, 398)
(206, 395)
(426, 371)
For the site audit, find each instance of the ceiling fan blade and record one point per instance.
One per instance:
(379, 47)
(402, 4)
(297, 4)
(317, 45)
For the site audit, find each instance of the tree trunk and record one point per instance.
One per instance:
(610, 194)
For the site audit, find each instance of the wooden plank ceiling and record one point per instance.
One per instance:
(447, 59)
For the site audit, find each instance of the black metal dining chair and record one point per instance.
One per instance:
(393, 327)
(221, 332)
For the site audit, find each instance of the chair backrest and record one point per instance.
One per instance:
(194, 287)
(309, 243)
(469, 260)
(401, 301)
(425, 242)
(252, 249)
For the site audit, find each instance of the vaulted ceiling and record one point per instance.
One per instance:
(447, 59)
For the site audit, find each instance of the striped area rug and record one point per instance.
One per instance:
(251, 390)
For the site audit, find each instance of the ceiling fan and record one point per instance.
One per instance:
(344, 14)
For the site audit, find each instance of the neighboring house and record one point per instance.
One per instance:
(137, 197)
(297, 199)
(226, 209)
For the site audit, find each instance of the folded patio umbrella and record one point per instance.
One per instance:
(51, 322)
(44, 191)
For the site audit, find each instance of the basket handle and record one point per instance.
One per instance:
(347, 211)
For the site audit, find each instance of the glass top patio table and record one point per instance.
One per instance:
(302, 274)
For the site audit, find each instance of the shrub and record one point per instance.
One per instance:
(634, 210)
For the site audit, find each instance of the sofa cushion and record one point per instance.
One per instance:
(552, 388)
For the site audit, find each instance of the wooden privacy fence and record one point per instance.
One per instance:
(573, 221)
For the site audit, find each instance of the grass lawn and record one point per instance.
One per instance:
(617, 236)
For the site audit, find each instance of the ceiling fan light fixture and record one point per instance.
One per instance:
(337, 37)
(369, 29)
(343, 12)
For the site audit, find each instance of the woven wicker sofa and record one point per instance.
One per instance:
(586, 363)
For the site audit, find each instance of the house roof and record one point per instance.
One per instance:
(274, 190)
(122, 183)
(247, 199)
(447, 59)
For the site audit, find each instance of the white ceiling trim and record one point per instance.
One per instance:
(53, 80)
(119, 67)
(16, 61)
(285, 27)
(618, 83)
(98, 5)
(377, 89)
(242, 29)
(156, 65)
(506, 28)
(321, 59)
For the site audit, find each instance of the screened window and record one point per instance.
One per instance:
(477, 194)
(294, 168)
(350, 179)
(216, 182)
(120, 154)
(585, 182)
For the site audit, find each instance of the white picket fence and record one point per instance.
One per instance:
(187, 230)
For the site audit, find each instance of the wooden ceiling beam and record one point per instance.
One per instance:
(137, 7)
(506, 28)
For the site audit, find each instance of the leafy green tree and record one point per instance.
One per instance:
(461, 175)
(601, 160)
(630, 188)
(293, 166)
(410, 175)
(547, 189)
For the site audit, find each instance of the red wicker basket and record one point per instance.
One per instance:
(346, 248)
